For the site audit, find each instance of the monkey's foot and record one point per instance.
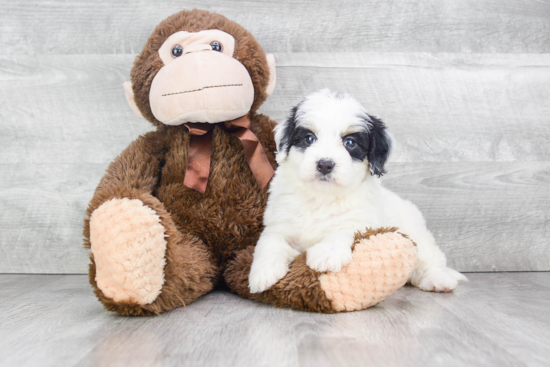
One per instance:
(140, 263)
(128, 247)
(382, 262)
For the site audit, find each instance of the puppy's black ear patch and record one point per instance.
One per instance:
(287, 130)
(380, 146)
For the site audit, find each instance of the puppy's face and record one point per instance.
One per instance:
(330, 140)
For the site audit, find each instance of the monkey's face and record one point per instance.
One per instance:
(199, 66)
(200, 80)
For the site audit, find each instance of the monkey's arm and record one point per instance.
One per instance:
(132, 174)
(137, 168)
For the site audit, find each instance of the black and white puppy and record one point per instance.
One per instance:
(331, 154)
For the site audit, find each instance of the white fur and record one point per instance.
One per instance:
(305, 213)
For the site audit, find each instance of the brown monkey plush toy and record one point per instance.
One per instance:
(180, 210)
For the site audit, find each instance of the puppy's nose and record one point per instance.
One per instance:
(325, 166)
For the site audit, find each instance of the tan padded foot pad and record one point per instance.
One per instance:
(380, 265)
(129, 247)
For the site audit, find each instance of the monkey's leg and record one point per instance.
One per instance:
(140, 263)
(382, 262)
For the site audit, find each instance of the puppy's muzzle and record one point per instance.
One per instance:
(325, 166)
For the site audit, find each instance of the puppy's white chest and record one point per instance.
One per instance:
(308, 222)
(316, 227)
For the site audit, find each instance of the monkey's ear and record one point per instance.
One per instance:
(130, 98)
(272, 74)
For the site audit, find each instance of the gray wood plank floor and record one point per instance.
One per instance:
(497, 319)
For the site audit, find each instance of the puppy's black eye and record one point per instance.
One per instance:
(310, 139)
(350, 143)
(177, 51)
(216, 46)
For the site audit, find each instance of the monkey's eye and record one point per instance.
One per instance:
(216, 46)
(350, 143)
(310, 139)
(177, 51)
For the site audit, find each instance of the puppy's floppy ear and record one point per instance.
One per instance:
(283, 133)
(380, 147)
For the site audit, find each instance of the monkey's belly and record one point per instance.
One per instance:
(228, 216)
(224, 221)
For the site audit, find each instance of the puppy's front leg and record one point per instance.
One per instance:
(272, 256)
(333, 252)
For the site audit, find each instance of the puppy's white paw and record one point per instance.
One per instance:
(439, 280)
(263, 276)
(328, 257)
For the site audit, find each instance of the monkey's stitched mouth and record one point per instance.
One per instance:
(198, 90)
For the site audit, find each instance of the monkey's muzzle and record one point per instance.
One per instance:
(204, 86)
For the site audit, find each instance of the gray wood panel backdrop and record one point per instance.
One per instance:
(463, 85)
